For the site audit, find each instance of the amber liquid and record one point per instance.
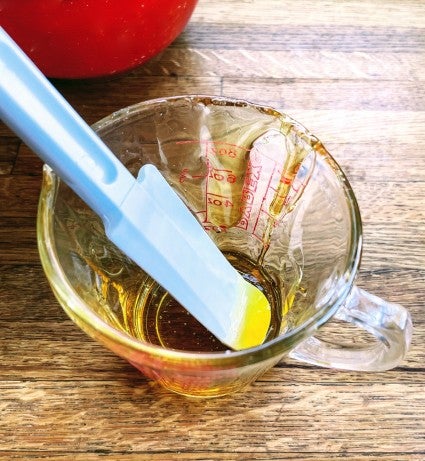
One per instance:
(154, 316)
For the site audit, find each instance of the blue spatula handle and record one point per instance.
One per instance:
(34, 110)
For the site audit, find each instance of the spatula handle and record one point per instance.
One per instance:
(36, 111)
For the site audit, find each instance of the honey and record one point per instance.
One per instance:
(154, 316)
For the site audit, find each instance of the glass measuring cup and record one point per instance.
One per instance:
(276, 204)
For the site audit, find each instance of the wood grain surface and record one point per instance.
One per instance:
(353, 72)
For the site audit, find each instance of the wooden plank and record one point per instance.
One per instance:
(102, 455)
(18, 241)
(8, 152)
(366, 127)
(333, 12)
(19, 196)
(282, 63)
(68, 354)
(317, 94)
(38, 303)
(355, 418)
(379, 162)
(27, 162)
(346, 37)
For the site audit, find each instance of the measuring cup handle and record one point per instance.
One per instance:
(390, 324)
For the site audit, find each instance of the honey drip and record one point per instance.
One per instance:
(281, 205)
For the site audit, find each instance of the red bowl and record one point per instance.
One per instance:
(81, 38)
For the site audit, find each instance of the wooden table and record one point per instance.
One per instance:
(354, 73)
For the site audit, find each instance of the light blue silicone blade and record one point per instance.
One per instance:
(145, 218)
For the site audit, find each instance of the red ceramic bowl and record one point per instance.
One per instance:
(92, 38)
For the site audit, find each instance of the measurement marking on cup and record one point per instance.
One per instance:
(222, 175)
(221, 180)
(227, 149)
(239, 192)
(262, 172)
(219, 200)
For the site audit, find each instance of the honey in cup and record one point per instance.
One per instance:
(273, 201)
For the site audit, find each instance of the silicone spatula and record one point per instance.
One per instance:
(143, 217)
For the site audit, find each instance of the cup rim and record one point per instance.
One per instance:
(81, 314)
